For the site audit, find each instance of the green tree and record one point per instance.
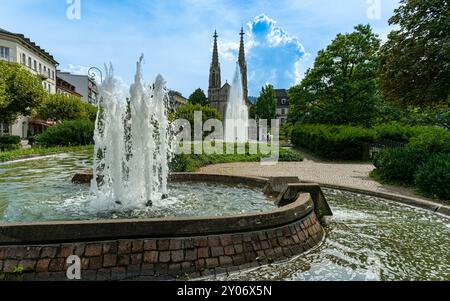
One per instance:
(187, 112)
(61, 107)
(20, 92)
(415, 61)
(198, 98)
(266, 105)
(341, 87)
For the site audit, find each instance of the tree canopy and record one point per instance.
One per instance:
(20, 92)
(415, 61)
(266, 104)
(198, 98)
(341, 87)
(61, 107)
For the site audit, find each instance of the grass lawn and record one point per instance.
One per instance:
(33, 152)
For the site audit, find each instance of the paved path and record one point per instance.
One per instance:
(354, 175)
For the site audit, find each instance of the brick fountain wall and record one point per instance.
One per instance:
(153, 259)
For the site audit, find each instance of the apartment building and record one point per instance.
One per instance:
(18, 49)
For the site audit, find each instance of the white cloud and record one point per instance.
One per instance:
(76, 69)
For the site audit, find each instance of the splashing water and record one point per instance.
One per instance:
(236, 123)
(132, 148)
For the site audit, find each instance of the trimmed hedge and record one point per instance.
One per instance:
(334, 142)
(9, 142)
(191, 163)
(68, 133)
(350, 143)
(433, 178)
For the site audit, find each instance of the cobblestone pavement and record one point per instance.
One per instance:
(354, 175)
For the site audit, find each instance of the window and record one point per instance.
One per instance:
(4, 52)
(24, 59)
(283, 101)
(283, 111)
(53, 74)
(45, 85)
(35, 65)
(29, 62)
(40, 68)
(4, 129)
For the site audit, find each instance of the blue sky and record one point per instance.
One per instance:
(283, 36)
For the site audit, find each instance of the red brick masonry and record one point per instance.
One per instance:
(153, 259)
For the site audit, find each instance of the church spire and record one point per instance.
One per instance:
(242, 47)
(215, 58)
(243, 65)
(215, 82)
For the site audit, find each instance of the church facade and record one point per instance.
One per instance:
(218, 93)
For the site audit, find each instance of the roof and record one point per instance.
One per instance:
(29, 43)
(280, 95)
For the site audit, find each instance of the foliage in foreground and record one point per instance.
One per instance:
(433, 178)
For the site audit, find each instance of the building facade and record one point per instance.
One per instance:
(17, 49)
(282, 105)
(83, 84)
(218, 93)
(65, 88)
(176, 100)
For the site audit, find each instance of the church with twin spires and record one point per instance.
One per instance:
(218, 93)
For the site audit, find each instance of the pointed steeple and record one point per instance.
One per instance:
(215, 82)
(215, 58)
(243, 65)
(242, 47)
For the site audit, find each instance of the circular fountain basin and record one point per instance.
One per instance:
(368, 238)
(239, 226)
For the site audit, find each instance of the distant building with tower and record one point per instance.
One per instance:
(218, 93)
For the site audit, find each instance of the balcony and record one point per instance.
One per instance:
(43, 75)
(10, 59)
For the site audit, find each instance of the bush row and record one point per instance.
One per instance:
(333, 142)
(351, 143)
(68, 133)
(192, 162)
(9, 142)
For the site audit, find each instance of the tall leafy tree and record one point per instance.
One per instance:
(266, 104)
(61, 107)
(20, 92)
(341, 87)
(198, 98)
(415, 62)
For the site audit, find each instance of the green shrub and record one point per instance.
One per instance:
(10, 140)
(287, 155)
(398, 164)
(333, 142)
(432, 141)
(9, 143)
(68, 133)
(192, 162)
(433, 177)
(397, 132)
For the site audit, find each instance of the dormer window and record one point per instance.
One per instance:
(284, 101)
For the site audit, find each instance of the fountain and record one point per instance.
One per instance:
(199, 224)
(236, 119)
(132, 146)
